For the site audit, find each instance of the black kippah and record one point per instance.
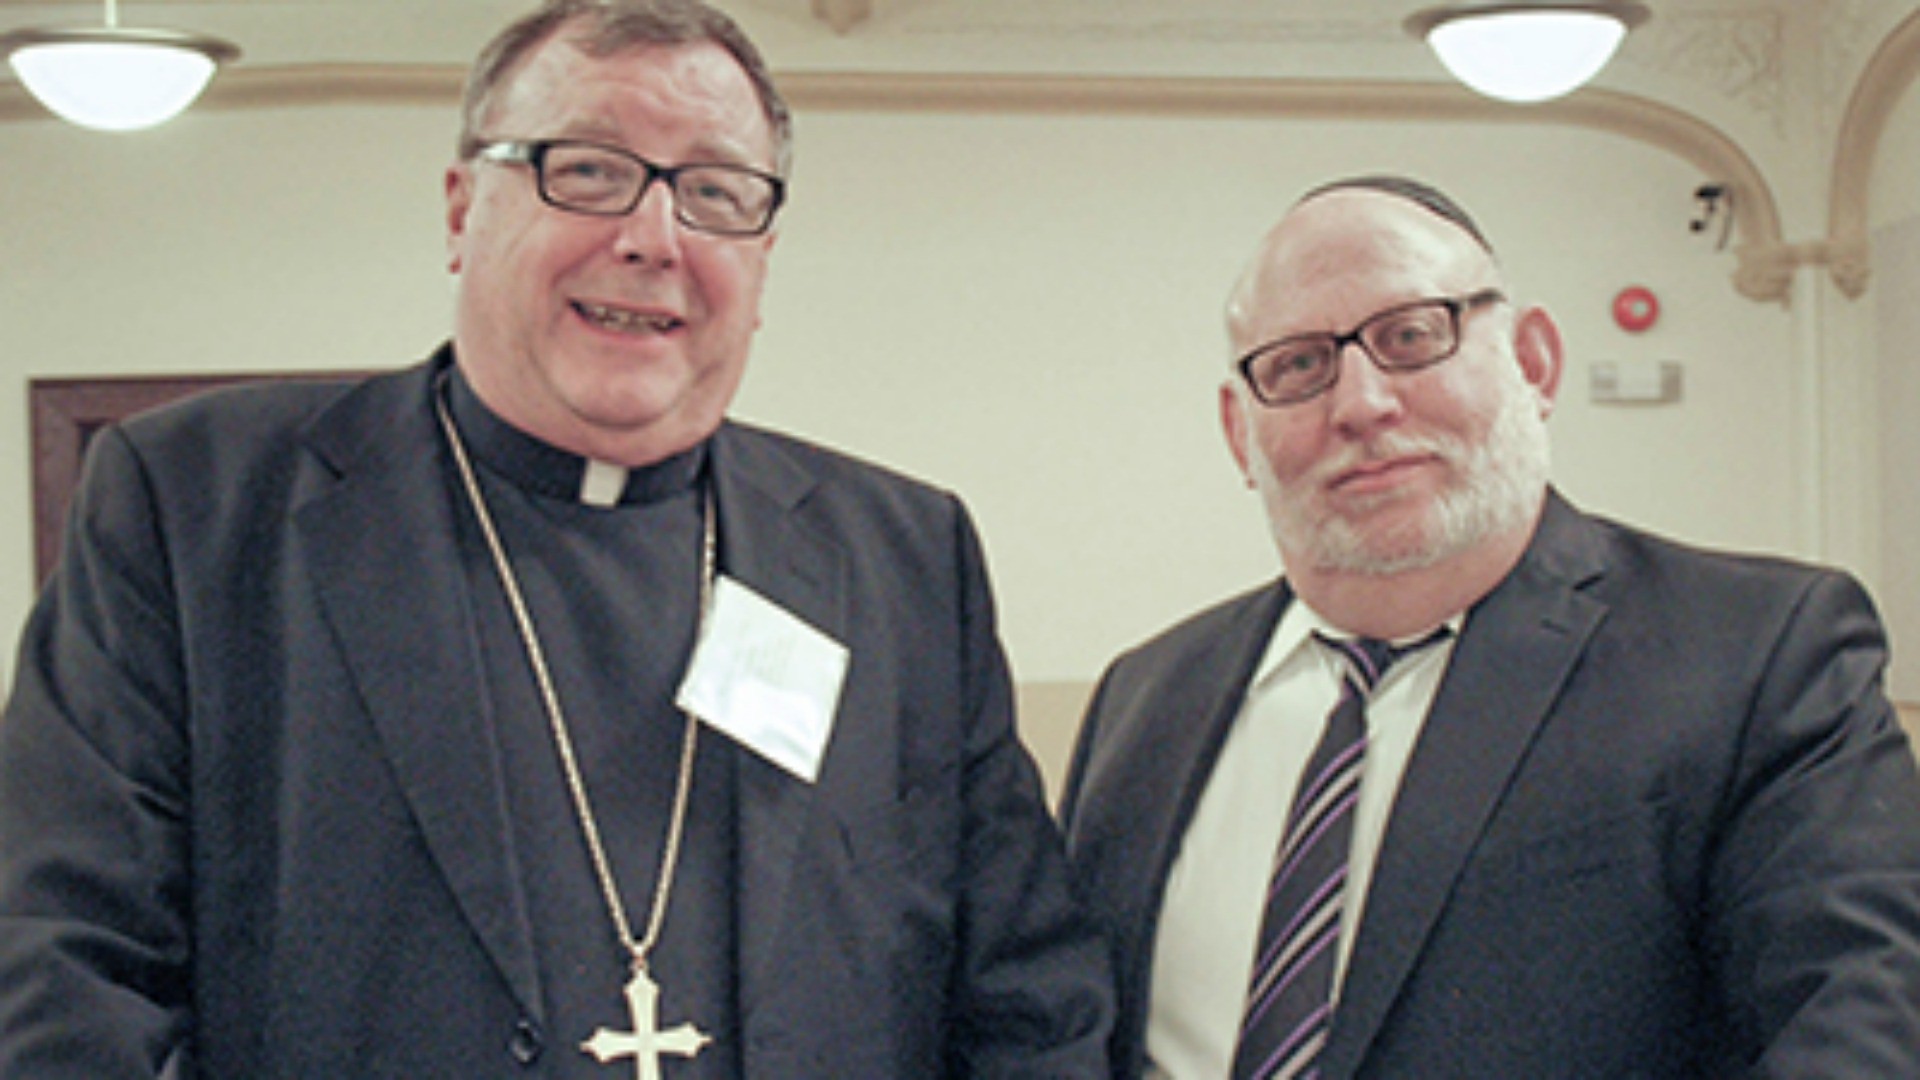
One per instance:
(1414, 191)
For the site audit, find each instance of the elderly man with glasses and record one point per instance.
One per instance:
(517, 714)
(1484, 786)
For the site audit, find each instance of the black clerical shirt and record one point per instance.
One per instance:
(614, 595)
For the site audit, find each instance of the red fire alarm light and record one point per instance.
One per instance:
(1636, 309)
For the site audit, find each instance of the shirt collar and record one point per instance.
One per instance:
(541, 468)
(1292, 640)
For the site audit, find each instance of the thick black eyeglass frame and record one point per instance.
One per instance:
(533, 153)
(1454, 306)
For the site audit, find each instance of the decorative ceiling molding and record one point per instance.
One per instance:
(1889, 74)
(1739, 55)
(1767, 263)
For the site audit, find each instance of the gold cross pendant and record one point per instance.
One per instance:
(646, 1042)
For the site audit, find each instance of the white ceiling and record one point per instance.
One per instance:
(1030, 34)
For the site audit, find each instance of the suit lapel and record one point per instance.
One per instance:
(765, 547)
(1142, 770)
(1518, 647)
(387, 570)
(1189, 727)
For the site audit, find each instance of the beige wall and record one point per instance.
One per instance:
(1049, 718)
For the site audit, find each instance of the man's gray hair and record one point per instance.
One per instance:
(605, 27)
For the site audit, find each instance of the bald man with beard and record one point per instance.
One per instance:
(1615, 807)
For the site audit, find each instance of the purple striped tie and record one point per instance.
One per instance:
(1290, 998)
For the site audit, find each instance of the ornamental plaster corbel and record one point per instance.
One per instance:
(843, 15)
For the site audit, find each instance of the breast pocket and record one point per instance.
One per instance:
(1563, 857)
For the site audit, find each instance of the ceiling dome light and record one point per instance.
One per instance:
(1526, 52)
(114, 79)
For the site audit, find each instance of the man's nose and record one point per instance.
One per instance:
(1363, 396)
(650, 233)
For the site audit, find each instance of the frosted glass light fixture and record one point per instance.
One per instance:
(1526, 52)
(113, 78)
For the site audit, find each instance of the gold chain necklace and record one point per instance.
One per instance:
(646, 1042)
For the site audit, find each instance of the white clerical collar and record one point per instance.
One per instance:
(539, 467)
(602, 483)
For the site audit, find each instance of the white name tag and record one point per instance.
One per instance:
(765, 678)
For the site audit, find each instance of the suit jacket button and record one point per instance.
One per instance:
(526, 1044)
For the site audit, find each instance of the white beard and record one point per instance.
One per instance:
(1499, 487)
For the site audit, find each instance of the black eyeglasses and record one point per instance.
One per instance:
(1404, 338)
(606, 181)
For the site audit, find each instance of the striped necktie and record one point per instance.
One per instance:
(1290, 998)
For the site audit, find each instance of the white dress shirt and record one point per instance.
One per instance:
(1216, 893)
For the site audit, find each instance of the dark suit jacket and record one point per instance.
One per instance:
(1660, 822)
(249, 798)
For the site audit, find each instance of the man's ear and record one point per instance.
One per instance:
(1542, 357)
(459, 192)
(1233, 424)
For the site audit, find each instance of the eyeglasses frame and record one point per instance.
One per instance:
(533, 154)
(1455, 307)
